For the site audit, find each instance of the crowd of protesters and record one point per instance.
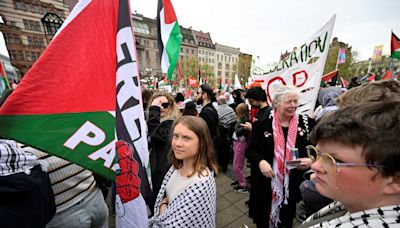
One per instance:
(341, 163)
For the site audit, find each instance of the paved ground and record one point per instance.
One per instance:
(231, 210)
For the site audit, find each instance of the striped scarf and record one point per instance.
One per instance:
(280, 182)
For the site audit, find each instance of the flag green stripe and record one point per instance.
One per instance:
(49, 133)
(173, 48)
(395, 55)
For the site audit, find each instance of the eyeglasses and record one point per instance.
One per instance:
(328, 161)
(165, 105)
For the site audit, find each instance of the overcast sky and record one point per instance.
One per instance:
(267, 28)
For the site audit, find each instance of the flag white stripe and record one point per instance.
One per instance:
(166, 30)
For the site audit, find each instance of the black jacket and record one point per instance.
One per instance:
(261, 147)
(210, 115)
(26, 200)
(160, 145)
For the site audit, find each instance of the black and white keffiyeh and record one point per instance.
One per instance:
(388, 216)
(194, 207)
(15, 160)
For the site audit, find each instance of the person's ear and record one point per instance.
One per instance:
(392, 184)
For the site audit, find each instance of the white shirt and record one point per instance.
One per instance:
(178, 183)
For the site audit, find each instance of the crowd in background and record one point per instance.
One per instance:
(339, 166)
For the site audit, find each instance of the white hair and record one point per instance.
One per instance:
(279, 92)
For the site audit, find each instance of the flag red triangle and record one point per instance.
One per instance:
(169, 12)
(395, 43)
(73, 75)
(328, 76)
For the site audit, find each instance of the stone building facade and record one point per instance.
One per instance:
(29, 27)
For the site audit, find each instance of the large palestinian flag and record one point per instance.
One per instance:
(395, 47)
(169, 37)
(82, 97)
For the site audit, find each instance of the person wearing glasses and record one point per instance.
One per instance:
(274, 188)
(357, 156)
(163, 111)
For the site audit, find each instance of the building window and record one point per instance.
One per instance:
(51, 22)
(19, 5)
(141, 27)
(219, 65)
(37, 26)
(226, 66)
(14, 55)
(35, 42)
(187, 51)
(192, 52)
(28, 56)
(17, 39)
(41, 42)
(28, 7)
(30, 41)
(219, 73)
(147, 55)
(26, 24)
(20, 56)
(36, 9)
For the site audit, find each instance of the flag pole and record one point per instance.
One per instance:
(369, 66)
(337, 60)
(179, 70)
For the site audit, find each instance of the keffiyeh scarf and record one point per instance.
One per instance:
(194, 207)
(280, 182)
(387, 216)
(15, 160)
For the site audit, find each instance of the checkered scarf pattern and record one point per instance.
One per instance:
(15, 160)
(280, 182)
(194, 207)
(387, 216)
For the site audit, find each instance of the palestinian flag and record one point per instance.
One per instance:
(169, 37)
(395, 47)
(83, 103)
(3, 80)
(329, 76)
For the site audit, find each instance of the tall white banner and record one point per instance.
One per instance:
(302, 69)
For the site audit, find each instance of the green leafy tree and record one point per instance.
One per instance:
(244, 68)
(190, 68)
(346, 69)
